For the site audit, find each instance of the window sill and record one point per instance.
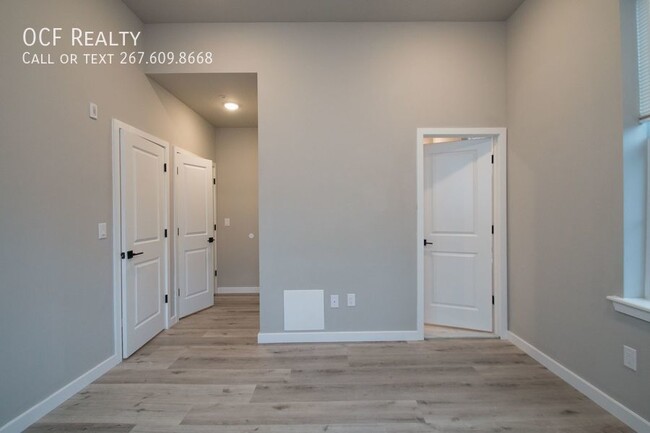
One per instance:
(635, 307)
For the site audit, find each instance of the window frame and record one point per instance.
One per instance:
(635, 301)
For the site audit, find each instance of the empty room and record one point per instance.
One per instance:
(347, 216)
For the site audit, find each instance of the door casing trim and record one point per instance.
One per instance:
(117, 226)
(499, 209)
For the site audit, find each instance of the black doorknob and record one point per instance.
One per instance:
(131, 254)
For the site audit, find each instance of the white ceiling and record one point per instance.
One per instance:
(222, 11)
(202, 93)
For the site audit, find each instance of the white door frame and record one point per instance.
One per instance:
(117, 227)
(215, 219)
(500, 241)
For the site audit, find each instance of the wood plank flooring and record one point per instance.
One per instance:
(208, 375)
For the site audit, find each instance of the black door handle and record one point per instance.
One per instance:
(427, 243)
(131, 254)
(211, 240)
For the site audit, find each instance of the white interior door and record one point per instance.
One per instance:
(195, 234)
(144, 256)
(458, 234)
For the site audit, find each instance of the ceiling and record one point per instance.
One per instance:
(203, 94)
(238, 11)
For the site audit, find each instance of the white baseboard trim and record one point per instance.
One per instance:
(632, 419)
(237, 290)
(337, 337)
(38, 411)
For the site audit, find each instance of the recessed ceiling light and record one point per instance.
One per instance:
(231, 106)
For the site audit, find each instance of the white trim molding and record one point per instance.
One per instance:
(500, 209)
(635, 307)
(337, 337)
(237, 290)
(36, 412)
(627, 416)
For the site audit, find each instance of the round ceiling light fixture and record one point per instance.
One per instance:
(231, 106)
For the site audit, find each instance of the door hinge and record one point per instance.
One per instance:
(166, 299)
(179, 292)
(215, 272)
(215, 226)
(492, 159)
(176, 170)
(165, 232)
(492, 300)
(165, 167)
(493, 229)
(214, 181)
(178, 231)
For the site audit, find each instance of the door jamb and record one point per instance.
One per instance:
(116, 125)
(499, 217)
(215, 203)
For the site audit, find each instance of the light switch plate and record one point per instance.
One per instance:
(226, 222)
(101, 231)
(334, 301)
(352, 300)
(93, 111)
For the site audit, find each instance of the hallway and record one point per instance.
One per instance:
(208, 374)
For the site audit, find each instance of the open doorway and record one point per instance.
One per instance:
(462, 233)
(228, 101)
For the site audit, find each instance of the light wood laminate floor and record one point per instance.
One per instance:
(208, 375)
(432, 332)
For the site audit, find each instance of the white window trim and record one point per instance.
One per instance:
(635, 301)
(639, 307)
(635, 307)
(646, 289)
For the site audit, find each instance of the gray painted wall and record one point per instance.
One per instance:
(565, 120)
(237, 198)
(339, 104)
(56, 312)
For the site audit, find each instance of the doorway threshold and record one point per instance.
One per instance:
(435, 332)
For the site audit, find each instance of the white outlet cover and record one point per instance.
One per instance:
(352, 300)
(334, 301)
(629, 357)
(226, 222)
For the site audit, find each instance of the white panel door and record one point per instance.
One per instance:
(195, 241)
(458, 234)
(144, 270)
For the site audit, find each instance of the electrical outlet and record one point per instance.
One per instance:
(352, 300)
(629, 357)
(226, 222)
(334, 301)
